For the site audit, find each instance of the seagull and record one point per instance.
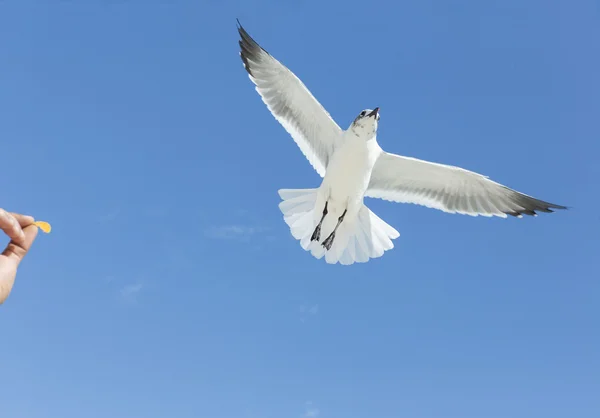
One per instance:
(332, 221)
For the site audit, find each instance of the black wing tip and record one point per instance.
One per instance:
(251, 45)
(531, 208)
(249, 48)
(530, 204)
(245, 45)
(240, 28)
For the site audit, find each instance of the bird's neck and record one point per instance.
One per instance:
(362, 134)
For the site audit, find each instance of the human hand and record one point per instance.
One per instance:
(22, 232)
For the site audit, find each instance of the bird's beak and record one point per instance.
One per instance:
(374, 113)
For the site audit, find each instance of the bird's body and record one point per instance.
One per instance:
(343, 189)
(332, 220)
(348, 175)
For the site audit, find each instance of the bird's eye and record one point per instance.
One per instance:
(363, 113)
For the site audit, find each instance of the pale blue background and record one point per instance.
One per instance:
(170, 285)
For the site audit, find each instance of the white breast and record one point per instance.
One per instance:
(349, 169)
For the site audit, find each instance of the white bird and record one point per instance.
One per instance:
(332, 220)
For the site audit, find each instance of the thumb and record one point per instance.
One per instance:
(17, 251)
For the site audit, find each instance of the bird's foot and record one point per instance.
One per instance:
(316, 234)
(329, 241)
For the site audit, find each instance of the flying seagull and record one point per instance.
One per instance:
(332, 221)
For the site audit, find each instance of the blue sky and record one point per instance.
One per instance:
(170, 285)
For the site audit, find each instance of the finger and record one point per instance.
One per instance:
(18, 250)
(23, 220)
(11, 226)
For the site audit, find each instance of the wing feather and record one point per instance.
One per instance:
(291, 103)
(448, 188)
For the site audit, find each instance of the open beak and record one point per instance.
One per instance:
(374, 113)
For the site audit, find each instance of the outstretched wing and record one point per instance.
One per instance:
(292, 104)
(447, 188)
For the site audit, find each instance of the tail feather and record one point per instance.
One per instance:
(340, 244)
(317, 250)
(363, 246)
(297, 201)
(287, 194)
(301, 225)
(382, 233)
(356, 241)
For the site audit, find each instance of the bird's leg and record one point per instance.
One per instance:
(317, 232)
(329, 241)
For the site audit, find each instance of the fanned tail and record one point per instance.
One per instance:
(356, 241)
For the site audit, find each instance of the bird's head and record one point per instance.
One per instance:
(365, 124)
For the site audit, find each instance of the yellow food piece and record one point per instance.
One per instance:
(44, 226)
